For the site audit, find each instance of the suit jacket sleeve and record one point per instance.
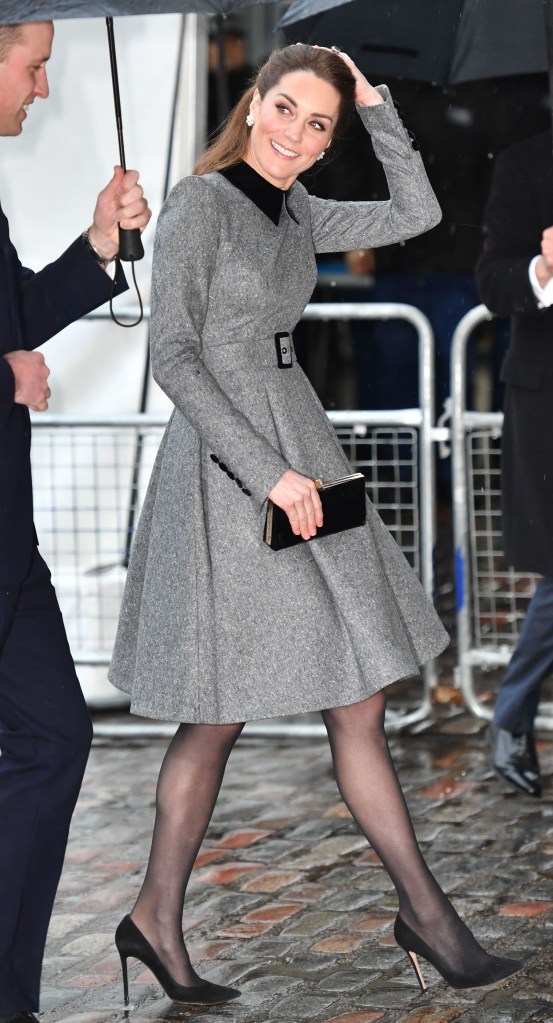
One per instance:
(512, 239)
(44, 303)
(63, 292)
(7, 390)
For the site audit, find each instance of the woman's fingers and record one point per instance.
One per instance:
(307, 518)
(298, 497)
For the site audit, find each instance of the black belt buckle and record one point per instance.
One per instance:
(284, 349)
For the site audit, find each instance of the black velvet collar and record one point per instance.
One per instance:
(268, 198)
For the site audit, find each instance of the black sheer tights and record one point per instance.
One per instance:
(369, 786)
(188, 786)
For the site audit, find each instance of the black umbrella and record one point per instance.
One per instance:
(444, 41)
(50, 10)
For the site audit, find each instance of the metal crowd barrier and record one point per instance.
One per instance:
(491, 598)
(90, 475)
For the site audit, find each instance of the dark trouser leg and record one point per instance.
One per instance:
(518, 697)
(45, 735)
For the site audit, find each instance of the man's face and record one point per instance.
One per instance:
(23, 75)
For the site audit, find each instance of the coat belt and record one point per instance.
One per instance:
(273, 352)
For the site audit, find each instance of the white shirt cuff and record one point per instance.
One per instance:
(544, 296)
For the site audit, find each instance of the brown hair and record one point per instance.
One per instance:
(232, 141)
(9, 35)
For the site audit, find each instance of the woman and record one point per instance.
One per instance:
(216, 628)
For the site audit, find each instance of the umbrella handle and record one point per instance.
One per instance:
(130, 242)
(130, 245)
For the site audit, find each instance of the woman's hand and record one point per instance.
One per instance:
(365, 94)
(297, 496)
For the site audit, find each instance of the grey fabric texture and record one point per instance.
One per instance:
(216, 627)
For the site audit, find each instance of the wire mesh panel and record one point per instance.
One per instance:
(389, 458)
(500, 596)
(89, 483)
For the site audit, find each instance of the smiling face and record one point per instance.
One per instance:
(23, 74)
(293, 125)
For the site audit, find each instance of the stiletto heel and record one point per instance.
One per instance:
(418, 972)
(124, 971)
(131, 943)
(485, 971)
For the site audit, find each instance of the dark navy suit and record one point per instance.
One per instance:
(519, 208)
(45, 729)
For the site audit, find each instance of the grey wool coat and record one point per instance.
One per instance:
(216, 627)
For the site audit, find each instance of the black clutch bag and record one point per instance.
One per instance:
(344, 507)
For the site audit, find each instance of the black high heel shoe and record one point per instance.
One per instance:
(131, 943)
(487, 969)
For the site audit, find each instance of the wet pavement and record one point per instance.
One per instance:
(287, 900)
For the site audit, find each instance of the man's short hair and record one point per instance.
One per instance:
(9, 35)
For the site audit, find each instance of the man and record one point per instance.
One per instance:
(515, 275)
(45, 729)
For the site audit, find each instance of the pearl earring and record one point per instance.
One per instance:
(320, 156)
(249, 120)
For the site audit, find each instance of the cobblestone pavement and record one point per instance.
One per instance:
(290, 904)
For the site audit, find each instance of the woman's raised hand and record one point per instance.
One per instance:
(365, 94)
(297, 496)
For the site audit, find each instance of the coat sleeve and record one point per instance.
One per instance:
(512, 239)
(185, 253)
(412, 207)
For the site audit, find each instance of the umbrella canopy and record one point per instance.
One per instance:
(51, 10)
(446, 42)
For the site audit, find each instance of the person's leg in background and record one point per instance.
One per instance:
(45, 736)
(514, 756)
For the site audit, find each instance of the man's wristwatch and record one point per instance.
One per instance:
(97, 256)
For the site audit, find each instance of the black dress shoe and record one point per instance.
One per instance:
(20, 1017)
(515, 761)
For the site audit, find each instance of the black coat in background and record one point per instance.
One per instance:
(33, 307)
(519, 208)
